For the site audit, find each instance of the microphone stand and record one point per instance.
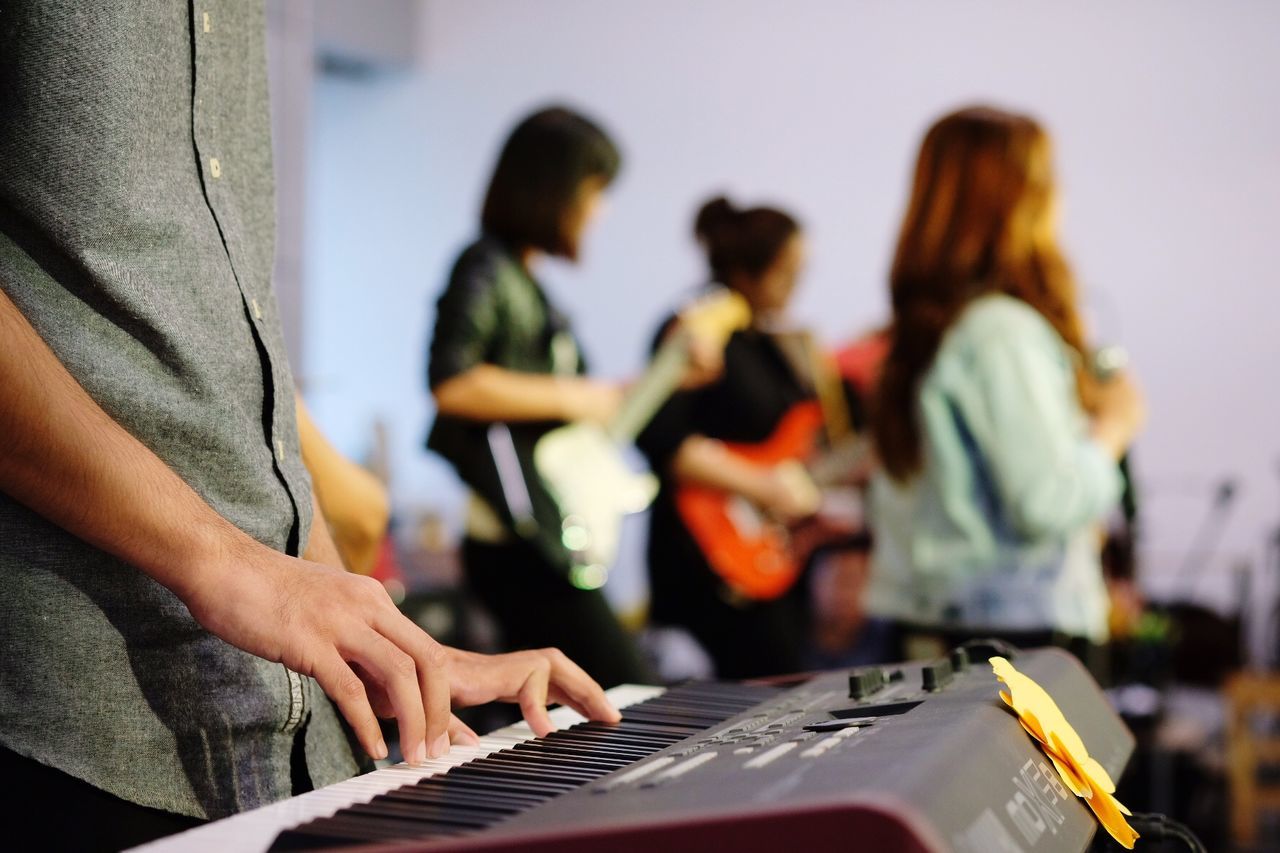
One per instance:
(1271, 638)
(1207, 537)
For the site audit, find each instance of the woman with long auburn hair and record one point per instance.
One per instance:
(999, 448)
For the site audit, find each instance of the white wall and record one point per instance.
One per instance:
(1168, 133)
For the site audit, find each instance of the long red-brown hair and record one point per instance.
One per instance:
(981, 220)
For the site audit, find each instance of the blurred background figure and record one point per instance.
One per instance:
(842, 633)
(354, 502)
(716, 440)
(502, 352)
(999, 448)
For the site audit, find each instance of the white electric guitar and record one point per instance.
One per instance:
(581, 466)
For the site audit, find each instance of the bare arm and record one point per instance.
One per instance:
(489, 393)
(783, 490)
(354, 503)
(66, 459)
(706, 462)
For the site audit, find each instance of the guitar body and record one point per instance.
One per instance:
(750, 551)
(584, 471)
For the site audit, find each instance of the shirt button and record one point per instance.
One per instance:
(257, 309)
(279, 450)
(215, 168)
(208, 23)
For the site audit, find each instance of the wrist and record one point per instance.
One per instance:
(205, 560)
(1111, 435)
(568, 396)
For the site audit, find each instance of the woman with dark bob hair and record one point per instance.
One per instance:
(502, 353)
(999, 446)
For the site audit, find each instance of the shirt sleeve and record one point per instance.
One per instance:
(1021, 406)
(466, 321)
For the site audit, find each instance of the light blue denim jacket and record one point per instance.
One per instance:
(1000, 528)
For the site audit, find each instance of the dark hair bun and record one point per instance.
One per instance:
(741, 240)
(713, 217)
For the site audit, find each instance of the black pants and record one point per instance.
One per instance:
(751, 639)
(65, 813)
(536, 607)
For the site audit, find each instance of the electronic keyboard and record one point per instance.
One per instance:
(909, 757)
(253, 831)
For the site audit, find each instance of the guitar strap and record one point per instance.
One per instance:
(830, 392)
(515, 490)
(811, 365)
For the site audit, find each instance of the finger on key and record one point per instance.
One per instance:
(432, 673)
(533, 699)
(346, 689)
(462, 734)
(571, 685)
(397, 673)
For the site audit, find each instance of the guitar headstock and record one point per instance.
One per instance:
(715, 316)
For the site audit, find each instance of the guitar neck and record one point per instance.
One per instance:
(655, 386)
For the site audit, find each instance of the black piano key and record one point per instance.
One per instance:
(529, 789)
(693, 706)
(686, 726)
(657, 720)
(422, 813)
(686, 717)
(485, 783)
(632, 731)
(343, 830)
(697, 700)
(610, 740)
(636, 728)
(491, 803)
(507, 779)
(579, 760)
(692, 703)
(609, 747)
(580, 740)
(570, 750)
(656, 725)
(538, 770)
(564, 759)
(455, 788)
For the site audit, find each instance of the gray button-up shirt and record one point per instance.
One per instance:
(136, 235)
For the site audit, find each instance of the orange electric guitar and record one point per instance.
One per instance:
(756, 555)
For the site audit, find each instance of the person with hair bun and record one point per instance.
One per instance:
(998, 444)
(758, 252)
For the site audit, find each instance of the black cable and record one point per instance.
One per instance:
(1158, 827)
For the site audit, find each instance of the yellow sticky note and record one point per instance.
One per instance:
(1041, 717)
